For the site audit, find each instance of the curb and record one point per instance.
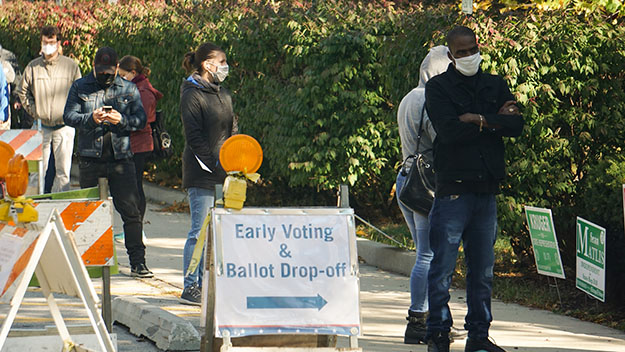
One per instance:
(386, 257)
(168, 331)
(160, 194)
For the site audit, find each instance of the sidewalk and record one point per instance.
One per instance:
(150, 307)
(384, 296)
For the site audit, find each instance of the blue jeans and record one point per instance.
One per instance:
(471, 218)
(200, 202)
(419, 229)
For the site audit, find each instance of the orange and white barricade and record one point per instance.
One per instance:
(91, 222)
(29, 144)
(49, 250)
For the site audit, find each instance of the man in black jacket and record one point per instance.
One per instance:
(471, 111)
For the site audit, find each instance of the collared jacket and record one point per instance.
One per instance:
(44, 87)
(464, 155)
(208, 119)
(85, 96)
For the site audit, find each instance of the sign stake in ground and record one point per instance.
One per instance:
(544, 242)
(590, 263)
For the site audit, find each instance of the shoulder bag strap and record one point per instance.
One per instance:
(420, 130)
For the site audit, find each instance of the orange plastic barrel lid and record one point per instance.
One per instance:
(241, 153)
(17, 176)
(6, 153)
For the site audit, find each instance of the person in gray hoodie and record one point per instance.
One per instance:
(208, 119)
(408, 117)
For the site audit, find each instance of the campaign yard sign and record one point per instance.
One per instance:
(285, 270)
(544, 242)
(590, 253)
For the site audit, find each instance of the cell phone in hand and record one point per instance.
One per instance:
(107, 108)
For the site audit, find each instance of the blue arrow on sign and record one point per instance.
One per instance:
(268, 302)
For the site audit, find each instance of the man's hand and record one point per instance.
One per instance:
(17, 105)
(99, 115)
(509, 108)
(113, 117)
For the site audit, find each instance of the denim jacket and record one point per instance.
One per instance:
(85, 96)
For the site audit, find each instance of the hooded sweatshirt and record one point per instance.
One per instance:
(411, 106)
(141, 141)
(208, 120)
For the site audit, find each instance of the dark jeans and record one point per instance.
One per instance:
(139, 159)
(121, 176)
(472, 219)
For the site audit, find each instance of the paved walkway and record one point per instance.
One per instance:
(384, 297)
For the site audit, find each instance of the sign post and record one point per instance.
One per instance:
(544, 242)
(590, 263)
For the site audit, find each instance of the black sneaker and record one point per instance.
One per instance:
(192, 295)
(141, 270)
(481, 345)
(439, 342)
(416, 328)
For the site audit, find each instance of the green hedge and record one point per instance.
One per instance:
(317, 83)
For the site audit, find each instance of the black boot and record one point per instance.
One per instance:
(416, 328)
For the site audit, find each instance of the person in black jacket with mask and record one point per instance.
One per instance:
(471, 111)
(208, 119)
(104, 109)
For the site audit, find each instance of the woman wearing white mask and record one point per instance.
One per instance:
(208, 119)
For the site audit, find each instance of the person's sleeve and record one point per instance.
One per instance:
(25, 94)
(149, 104)
(73, 115)
(428, 128)
(235, 124)
(77, 74)
(136, 120)
(9, 73)
(508, 125)
(448, 127)
(194, 135)
(4, 96)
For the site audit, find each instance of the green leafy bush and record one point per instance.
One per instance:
(567, 72)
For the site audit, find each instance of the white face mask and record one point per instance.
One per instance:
(469, 65)
(221, 74)
(48, 49)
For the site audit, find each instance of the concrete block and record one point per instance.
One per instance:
(386, 257)
(168, 331)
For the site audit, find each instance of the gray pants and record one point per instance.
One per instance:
(62, 143)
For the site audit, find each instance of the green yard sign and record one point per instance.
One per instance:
(590, 273)
(544, 242)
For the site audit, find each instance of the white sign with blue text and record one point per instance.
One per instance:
(285, 270)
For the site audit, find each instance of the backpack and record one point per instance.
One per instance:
(160, 138)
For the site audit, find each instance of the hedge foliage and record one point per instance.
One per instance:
(318, 83)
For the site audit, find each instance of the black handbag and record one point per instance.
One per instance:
(160, 138)
(418, 191)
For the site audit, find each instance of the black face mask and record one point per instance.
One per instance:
(105, 79)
